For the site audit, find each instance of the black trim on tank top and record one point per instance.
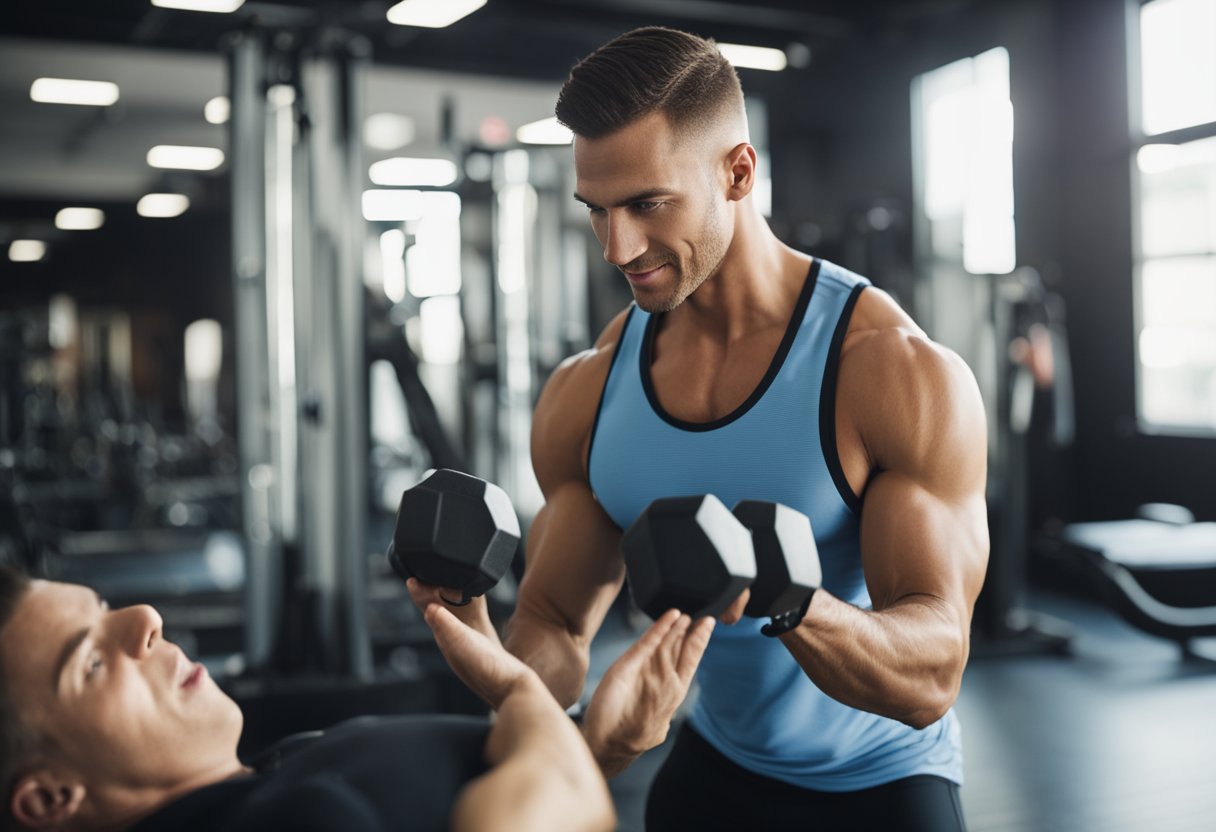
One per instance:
(599, 408)
(827, 405)
(646, 357)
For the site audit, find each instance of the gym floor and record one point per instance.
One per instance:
(1118, 736)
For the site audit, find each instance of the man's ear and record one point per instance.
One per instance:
(41, 799)
(741, 162)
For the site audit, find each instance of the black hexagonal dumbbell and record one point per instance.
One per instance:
(690, 553)
(454, 530)
(787, 563)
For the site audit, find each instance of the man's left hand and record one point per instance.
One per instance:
(633, 704)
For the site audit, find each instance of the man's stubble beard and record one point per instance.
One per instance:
(705, 261)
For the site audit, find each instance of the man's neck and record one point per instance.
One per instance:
(755, 287)
(112, 807)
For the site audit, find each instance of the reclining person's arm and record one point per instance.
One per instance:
(543, 776)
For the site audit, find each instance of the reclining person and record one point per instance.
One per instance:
(105, 725)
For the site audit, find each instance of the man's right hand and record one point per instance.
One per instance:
(474, 614)
(633, 704)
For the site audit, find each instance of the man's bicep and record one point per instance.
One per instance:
(915, 542)
(924, 528)
(573, 569)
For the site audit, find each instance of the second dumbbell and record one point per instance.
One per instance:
(693, 554)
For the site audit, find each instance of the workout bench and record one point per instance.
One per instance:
(1159, 575)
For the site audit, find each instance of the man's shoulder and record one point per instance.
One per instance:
(369, 773)
(884, 342)
(904, 393)
(900, 359)
(877, 311)
(584, 372)
(565, 413)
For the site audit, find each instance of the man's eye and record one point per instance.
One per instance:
(95, 665)
(646, 206)
(594, 211)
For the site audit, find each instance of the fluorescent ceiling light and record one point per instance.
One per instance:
(545, 131)
(217, 110)
(79, 219)
(162, 205)
(26, 251)
(221, 6)
(388, 131)
(392, 206)
(178, 157)
(432, 14)
(71, 91)
(405, 171)
(753, 57)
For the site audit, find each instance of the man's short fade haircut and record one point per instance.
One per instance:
(647, 70)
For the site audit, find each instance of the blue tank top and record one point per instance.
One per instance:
(755, 704)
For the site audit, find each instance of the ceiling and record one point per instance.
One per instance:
(525, 38)
(506, 60)
(98, 153)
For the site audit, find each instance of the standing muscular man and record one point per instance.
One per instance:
(749, 370)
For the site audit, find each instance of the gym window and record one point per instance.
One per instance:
(963, 147)
(1174, 205)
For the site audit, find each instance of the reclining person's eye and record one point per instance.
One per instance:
(95, 664)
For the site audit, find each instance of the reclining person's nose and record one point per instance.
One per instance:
(144, 629)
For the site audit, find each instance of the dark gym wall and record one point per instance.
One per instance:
(843, 137)
(183, 265)
(177, 272)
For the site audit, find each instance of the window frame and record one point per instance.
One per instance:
(1138, 139)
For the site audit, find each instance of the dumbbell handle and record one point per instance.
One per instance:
(786, 621)
(787, 563)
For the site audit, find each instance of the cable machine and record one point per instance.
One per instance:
(301, 375)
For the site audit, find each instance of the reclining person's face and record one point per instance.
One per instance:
(127, 718)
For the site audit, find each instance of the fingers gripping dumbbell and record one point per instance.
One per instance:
(693, 554)
(454, 530)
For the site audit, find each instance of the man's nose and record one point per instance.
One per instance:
(623, 241)
(142, 629)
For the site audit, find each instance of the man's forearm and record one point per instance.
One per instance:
(551, 651)
(904, 662)
(612, 761)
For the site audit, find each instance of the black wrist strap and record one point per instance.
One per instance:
(787, 621)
